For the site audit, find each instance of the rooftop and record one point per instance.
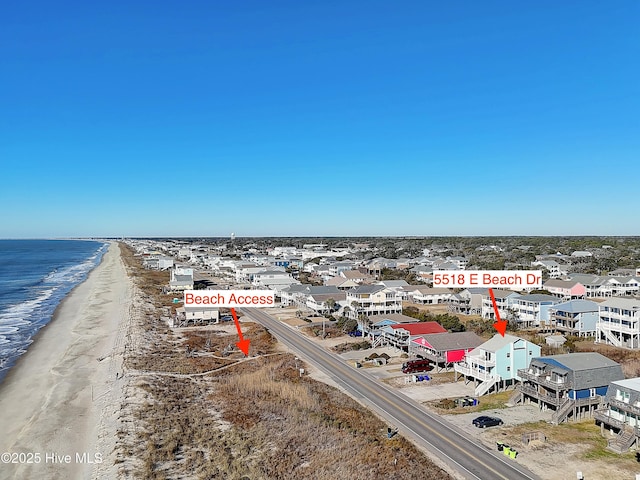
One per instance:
(576, 306)
(579, 361)
(396, 317)
(442, 342)
(421, 328)
(630, 383)
(498, 341)
(626, 303)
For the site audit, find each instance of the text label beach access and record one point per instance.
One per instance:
(230, 298)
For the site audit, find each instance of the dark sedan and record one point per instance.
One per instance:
(485, 421)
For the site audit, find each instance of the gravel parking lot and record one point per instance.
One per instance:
(510, 416)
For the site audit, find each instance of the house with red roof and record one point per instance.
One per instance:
(400, 336)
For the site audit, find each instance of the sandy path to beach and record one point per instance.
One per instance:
(56, 404)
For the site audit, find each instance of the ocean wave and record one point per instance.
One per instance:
(20, 321)
(7, 330)
(69, 274)
(22, 310)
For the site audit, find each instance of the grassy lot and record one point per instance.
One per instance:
(487, 402)
(584, 433)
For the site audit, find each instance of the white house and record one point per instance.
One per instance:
(181, 279)
(619, 323)
(429, 296)
(336, 267)
(504, 301)
(300, 295)
(620, 413)
(158, 262)
(372, 300)
(607, 286)
(554, 269)
(533, 310)
(273, 280)
(469, 301)
(340, 283)
(293, 295)
(357, 276)
(196, 314)
(246, 271)
(460, 262)
(320, 302)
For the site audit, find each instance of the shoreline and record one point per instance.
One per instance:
(43, 329)
(54, 398)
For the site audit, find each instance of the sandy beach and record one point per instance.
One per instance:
(59, 401)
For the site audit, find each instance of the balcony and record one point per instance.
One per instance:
(602, 415)
(567, 327)
(544, 380)
(482, 361)
(624, 406)
(468, 370)
(540, 397)
(373, 309)
(618, 327)
(428, 354)
(556, 402)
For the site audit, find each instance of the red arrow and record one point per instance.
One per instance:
(499, 325)
(242, 344)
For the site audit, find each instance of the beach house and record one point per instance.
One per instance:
(444, 349)
(428, 295)
(533, 310)
(189, 315)
(504, 301)
(370, 300)
(494, 365)
(565, 289)
(373, 325)
(181, 279)
(401, 335)
(571, 384)
(576, 317)
(620, 414)
(619, 323)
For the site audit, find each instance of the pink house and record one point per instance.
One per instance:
(444, 349)
(567, 289)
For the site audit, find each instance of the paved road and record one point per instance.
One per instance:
(472, 460)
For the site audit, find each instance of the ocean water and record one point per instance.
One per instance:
(35, 275)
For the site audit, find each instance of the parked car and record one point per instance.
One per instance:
(413, 366)
(226, 318)
(485, 421)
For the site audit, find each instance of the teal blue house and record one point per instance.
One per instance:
(494, 365)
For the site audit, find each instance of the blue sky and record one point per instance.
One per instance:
(202, 118)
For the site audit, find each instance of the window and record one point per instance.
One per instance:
(508, 369)
(530, 353)
(508, 354)
(622, 396)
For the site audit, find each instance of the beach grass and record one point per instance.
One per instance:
(252, 419)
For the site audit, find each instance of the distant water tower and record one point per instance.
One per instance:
(233, 236)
